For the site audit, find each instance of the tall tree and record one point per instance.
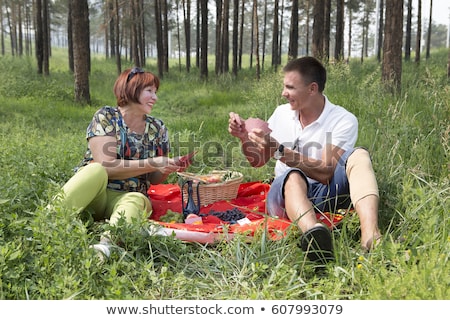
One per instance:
(28, 28)
(70, 35)
(117, 36)
(198, 36)
(264, 35)
(235, 37)
(47, 37)
(252, 38)
(162, 36)
(427, 54)
(339, 38)
(222, 35)
(141, 31)
(106, 23)
(419, 31)
(204, 39)
(275, 33)
(12, 23)
(293, 32)
(159, 38)
(110, 31)
(187, 31)
(380, 29)
(308, 6)
(39, 37)
(178, 34)
(280, 37)
(408, 31)
(326, 30)
(81, 51)
(2, 29)
(219, 29)
(349, 41)
(19, 29)
(392, 46)
(165, 15)
(225, 35)
(318, 29)
(365, 23)
(256, 38)
(352, 7)
(241, 35)
(134, 47)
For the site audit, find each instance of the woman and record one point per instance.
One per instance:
(127, 152)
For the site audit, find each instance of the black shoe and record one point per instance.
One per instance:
(317, 244)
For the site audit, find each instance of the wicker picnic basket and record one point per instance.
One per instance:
(210, 192)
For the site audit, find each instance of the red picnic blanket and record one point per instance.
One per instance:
(250, 200)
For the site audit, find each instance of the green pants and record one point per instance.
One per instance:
(86, 190)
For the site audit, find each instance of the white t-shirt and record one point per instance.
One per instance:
(335, 126)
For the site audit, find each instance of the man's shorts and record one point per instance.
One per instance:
(331, 197)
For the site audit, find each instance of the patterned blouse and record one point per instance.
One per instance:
(108, 121)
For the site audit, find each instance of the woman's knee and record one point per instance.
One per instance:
(96, 170)
(131, 205)
(88, 182)
(139, 200)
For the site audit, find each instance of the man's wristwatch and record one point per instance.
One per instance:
(279, 153)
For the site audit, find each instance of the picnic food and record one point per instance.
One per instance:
(212, 177)
(230, 215)
(193, 219)
(214, 186)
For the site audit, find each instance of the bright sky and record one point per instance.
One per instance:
(441, 10)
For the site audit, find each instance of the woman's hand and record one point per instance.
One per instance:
(236, 126)
(185, 161)
(165, 165)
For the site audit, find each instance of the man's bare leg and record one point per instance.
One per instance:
(367, 209)
(298, 207)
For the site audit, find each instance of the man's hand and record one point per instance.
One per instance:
(262, 140)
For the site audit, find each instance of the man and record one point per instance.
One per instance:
(317, 167)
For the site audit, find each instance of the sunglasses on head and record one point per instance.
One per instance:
(133, 72)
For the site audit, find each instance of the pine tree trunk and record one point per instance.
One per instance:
(204, 39)
(187, 31)
(339, 39)
(235, 37)
(318, 29)
(81, 55)
(392, 46)
(408, 32)
(275, 33)
(293, 32)
(419, 31)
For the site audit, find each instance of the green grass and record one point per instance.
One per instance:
(44, 253)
